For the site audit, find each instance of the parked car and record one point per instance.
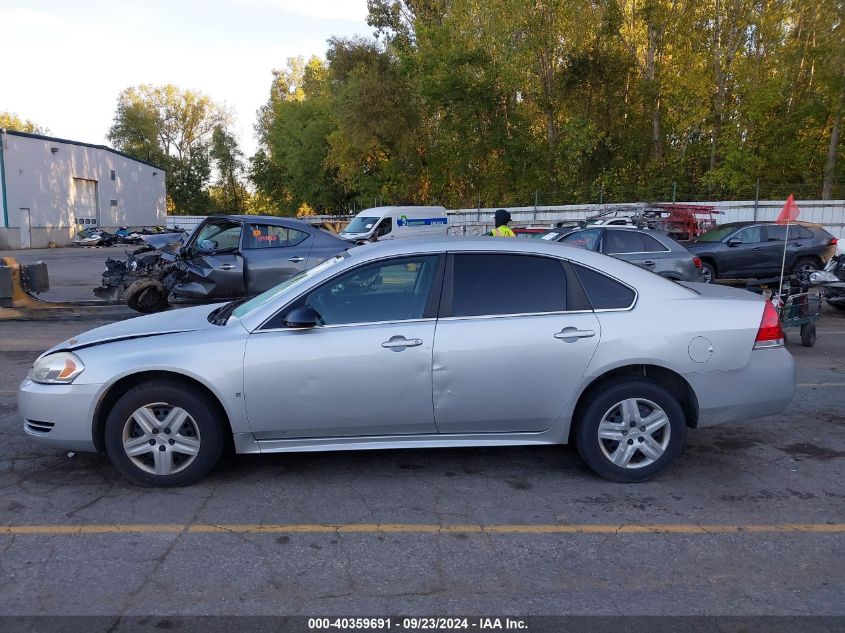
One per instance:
(834, 290)
(227, 256)
(740, 250)
(651, 250)
(412, 344)
(530, 232)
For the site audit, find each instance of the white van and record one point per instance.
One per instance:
(387, 223)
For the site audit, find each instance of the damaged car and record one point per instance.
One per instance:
(226, 257)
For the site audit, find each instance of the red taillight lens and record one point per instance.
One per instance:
(833, 241)
(697, 262)
(770, 333)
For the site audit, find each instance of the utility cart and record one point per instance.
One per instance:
(799, 304)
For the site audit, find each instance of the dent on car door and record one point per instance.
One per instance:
(508, 353)
(364, 370)
(273, 254)
(215, 268)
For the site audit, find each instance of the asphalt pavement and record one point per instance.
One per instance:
(750, 521)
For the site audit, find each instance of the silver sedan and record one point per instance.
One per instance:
(453, 342)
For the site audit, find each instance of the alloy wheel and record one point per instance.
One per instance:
(161, 439)
(634, 433)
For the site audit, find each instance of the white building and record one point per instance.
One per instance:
(50, 188)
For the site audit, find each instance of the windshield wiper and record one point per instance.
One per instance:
(221, 315)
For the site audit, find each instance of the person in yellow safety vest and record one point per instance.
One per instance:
(502, 229)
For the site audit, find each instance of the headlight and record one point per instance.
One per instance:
(60, 368)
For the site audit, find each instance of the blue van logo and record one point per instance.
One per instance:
(405, 221)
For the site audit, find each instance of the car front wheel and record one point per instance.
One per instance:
(164, 434)
(630, 430)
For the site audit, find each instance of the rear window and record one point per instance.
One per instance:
(603, 292)
(776, 233)
(507, 284)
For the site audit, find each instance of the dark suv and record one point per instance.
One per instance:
(741, 250)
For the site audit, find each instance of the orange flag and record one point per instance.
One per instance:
(789, 213)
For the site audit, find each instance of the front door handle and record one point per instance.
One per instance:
(757, 249)
(648, 263)
(398, 343)
(227, 267)
(296, 260)
(571, 334)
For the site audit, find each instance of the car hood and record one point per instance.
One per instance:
(169, 322)
(695, 247)
(165, 242)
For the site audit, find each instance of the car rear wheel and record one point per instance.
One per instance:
(708, 273)
(630, 430)
(164, 434)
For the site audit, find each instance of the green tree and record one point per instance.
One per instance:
(11, 121)
(171, 127)
(293, 130)
(228, 163)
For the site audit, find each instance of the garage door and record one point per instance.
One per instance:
(85, 202)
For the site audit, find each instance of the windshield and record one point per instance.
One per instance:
(716, 235)
(360, 225)
(269, 295)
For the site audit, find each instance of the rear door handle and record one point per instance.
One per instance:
(648, 263)
(757, 249)
(227, 267)
(399, 343)
(570, 334)
(296, 260)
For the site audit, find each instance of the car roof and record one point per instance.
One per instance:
(266, 219)
(628, 273)
(742, 223)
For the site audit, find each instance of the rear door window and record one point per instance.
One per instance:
(494, 284)
(603, 292)
(653, 245)
(776, 233)
(621, 242)
(270, 236)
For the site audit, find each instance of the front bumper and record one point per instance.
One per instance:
(59, 415)
(765, 386)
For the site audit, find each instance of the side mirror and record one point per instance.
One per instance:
(734, 241)
(302, 317)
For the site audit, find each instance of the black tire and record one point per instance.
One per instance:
(204, 419)
(147, 298)
(808, 334)
(838, 306)
(603, 402)
(708, 273)
(805, 265)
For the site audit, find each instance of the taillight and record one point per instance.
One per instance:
(770, 333)
(833, 241)
(697, 262)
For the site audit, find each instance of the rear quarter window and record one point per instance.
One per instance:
(603, 292)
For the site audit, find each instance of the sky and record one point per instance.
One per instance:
(65, 62)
